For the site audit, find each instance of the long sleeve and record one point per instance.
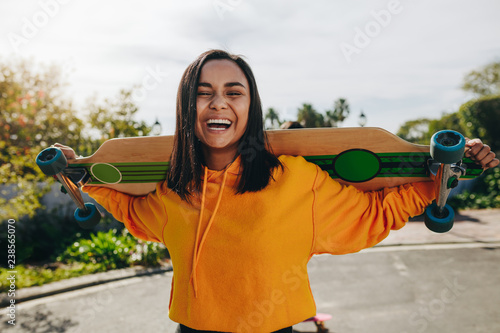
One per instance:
(145, 216)
(347, 220)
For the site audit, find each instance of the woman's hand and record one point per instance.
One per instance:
(67, 151)
(480, 153)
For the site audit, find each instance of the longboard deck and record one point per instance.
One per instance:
(368, 158)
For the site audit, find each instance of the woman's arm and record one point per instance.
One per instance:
(348, 220)
(144, 216)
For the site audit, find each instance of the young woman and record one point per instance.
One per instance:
(241, 224)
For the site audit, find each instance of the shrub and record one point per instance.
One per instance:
(114, 249)
(148, 254)
(485, 194)
(109, 250)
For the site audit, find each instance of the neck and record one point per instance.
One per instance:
(218, 159)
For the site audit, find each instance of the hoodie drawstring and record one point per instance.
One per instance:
(198, 247)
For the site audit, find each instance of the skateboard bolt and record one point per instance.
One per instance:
(452, 182)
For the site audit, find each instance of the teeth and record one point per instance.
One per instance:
(219, 121)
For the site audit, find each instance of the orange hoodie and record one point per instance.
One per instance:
(240, 260)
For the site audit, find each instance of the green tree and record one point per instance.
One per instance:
(416, 131)
(115, 118)
(309, 117)
(273, 118)
(421, 130)
(485, 81)
(33, 115)
(480, 118)
(450, 121)
(341, 110)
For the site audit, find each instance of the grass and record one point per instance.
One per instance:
(29, 276)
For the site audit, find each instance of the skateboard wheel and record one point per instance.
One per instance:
(447, 147)
(51, 161)
(442, 223)
(87, 219)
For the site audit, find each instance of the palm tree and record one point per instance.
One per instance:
(273, 117)
(340, 112)
(309, 117)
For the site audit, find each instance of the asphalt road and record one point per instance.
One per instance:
(395, 289)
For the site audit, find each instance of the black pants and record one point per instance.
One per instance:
(185, 329)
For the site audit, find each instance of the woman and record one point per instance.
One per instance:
(241, 224)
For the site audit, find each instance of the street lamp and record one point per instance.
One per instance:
(362, 119)
(156, 130)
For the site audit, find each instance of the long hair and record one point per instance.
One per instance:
(257, 160)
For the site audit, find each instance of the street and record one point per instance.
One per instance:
(392, 289)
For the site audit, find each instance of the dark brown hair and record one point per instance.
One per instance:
(257, 160)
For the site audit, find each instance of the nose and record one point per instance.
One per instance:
(218, 102)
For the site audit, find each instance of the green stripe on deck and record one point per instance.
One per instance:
(147, 172)
(412, 165)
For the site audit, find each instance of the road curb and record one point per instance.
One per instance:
(58, 287)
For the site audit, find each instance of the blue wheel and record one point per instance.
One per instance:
(87, 219)
(439, 222)
(51, 161)
(447, 147)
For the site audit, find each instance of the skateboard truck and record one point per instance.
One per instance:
(52, 162)
(445, 168)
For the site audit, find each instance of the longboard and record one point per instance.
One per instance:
(367, 158)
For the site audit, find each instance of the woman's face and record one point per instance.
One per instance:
(222, 107)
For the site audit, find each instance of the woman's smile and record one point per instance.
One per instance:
(222, 104)
(219, 124)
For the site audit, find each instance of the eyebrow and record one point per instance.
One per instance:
(228, 84)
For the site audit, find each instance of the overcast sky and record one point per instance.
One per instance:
(394, 60)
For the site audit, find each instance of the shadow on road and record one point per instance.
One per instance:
(43, 322)
(311, 331)
(464, 217)
(459, 217)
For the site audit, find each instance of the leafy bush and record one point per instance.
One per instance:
(114, 249)
(108, 250)
(148, 254)
(485, 194)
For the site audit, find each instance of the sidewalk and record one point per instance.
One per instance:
(471, 226)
